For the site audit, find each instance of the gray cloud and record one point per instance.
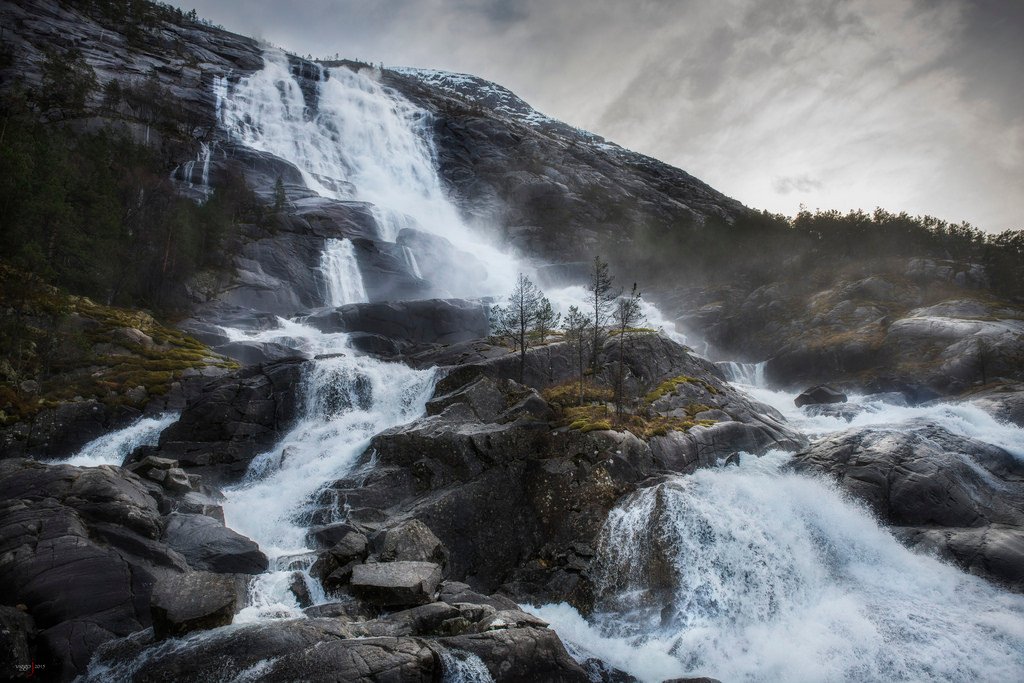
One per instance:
(912, 105)
(802, 184)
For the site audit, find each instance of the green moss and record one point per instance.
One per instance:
(568, 393)
(670, 385)
(56, 340)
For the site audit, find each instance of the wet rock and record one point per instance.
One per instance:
(396, 583)
(231, 420)
(209, 545)
(17, 640)
(961, 497)
(193, 601)
(819, 394)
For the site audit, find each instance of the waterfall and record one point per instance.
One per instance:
(410, 260)
(750, 374)
(752, 574)
(359, 141)
(112, 448)
(347, 400)
(341, 273)
(464, 667)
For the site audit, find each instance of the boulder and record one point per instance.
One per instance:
(396, 583)
(410, 541)
(231, 420)
(193, 601)
(209, 545)
(818, 395)
(956, 496)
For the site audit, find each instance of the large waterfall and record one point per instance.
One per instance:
(341, 272)
(360, 141)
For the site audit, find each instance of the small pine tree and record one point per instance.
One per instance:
(627, 317)
(577, 328)
(547, 320)
(516, 320)
(601, 298)
(280, 197)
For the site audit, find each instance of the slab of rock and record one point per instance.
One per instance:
(208, 545)
(410, 541)
(819, 394)
(192, 602)
(396, 583)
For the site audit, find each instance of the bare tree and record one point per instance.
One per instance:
(601, 299)
(516, 320)
(577, 328)
(627, 317)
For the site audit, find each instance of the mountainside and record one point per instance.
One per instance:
(264, 415)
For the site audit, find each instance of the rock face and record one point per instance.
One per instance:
(81, 548)
(961, 498)
(234, 418)
(207, 544)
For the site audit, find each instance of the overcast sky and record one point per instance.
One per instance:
(914, 105)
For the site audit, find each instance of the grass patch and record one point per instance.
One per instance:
(598, 417)
(568, 393)
(670, 385)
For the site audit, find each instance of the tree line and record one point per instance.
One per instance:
(529, 319)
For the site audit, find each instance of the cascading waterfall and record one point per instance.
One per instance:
(752, 574)
(114, 447)
(341, 273)
(361, 141)
(347, 399)
(749, 374)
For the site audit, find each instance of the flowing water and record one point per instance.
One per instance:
(361, 141)
(341, 272)
(113, 448)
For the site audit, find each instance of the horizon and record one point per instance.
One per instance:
(905, 106)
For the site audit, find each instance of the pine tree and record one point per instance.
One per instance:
(577, 327)
(547, 320)
(601, 298)
(516, 320)
(627, 317)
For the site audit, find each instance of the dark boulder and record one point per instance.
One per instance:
(193, 601)
(209, 545)
(233, 419)
(396, 583)
(409, 323)
(410, 541)
(819, 394)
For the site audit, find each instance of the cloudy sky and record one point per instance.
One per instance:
(914, 105)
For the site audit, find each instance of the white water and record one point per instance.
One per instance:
(576, 295)
(464, 667)
(364, 142)
(346, 401)
(113, 448)
(750, 374)
(778, 576)
(341, 273)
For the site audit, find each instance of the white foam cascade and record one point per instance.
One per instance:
(963, 419)
(363, 142)
(751, 574)
(750, 374)
(347, 399)
(464, 667)
(341, 273)
(112, 448)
